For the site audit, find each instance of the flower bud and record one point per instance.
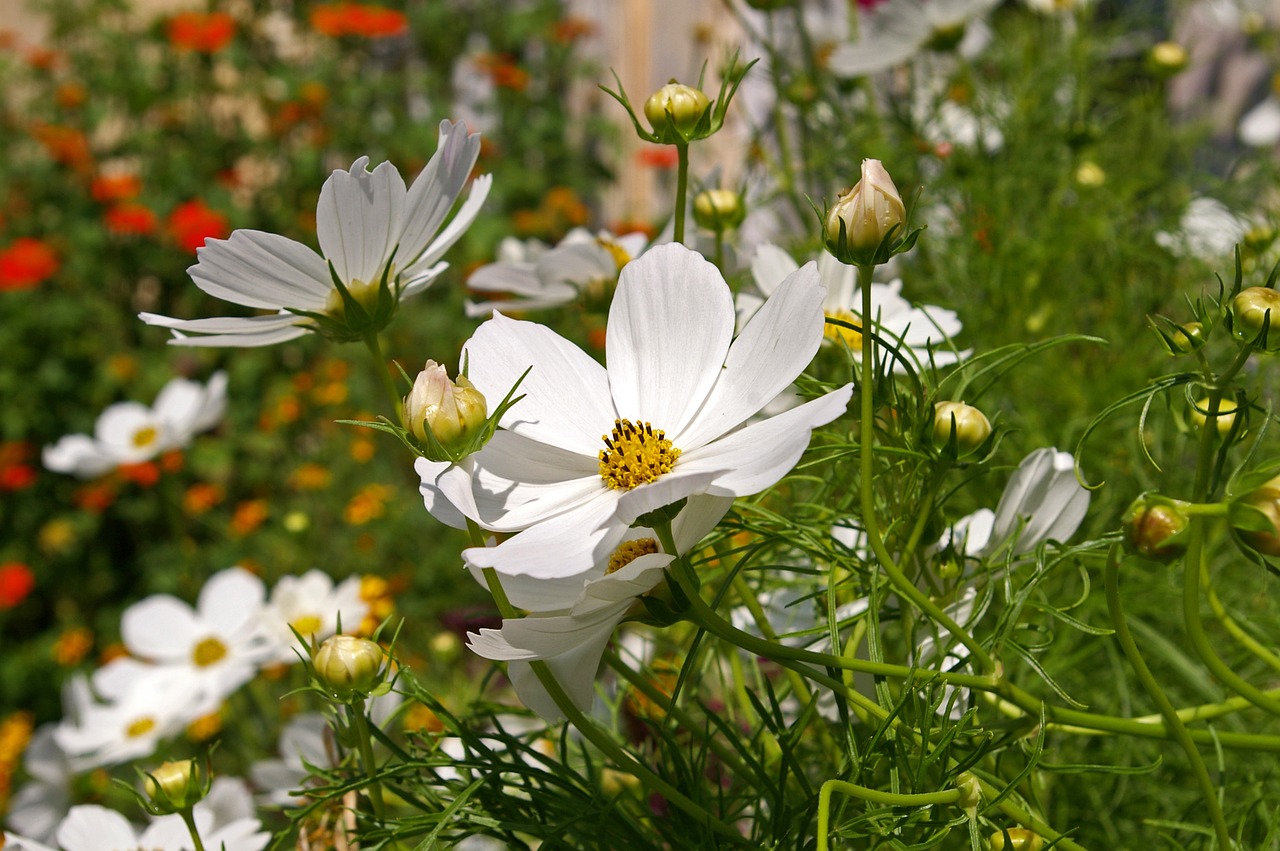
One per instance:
(1265, 499)
(970, 426)
(718, 209)
(1153, 529)
(348, 665)
(174, 786)
(1225, 419)
(678, 106)
(970, 794)
(454, 411)
(1186, 339)
(861, 219)
(1090, 174)
(1253, 310)
(1167, 58)
(1020, 839)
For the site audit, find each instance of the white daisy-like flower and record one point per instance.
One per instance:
(217, 646)
(897, 30)
(130, 432)
(90, 827)
(587, 450)
(1208, 229)
(955, 699)
(313, 605)
(42, 802)
(1260, 126)
(913, 331)
(367, 223)
(570, 633)
(535, 276)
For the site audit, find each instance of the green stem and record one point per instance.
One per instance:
(361, 722)
(875, 796)
(682, 189)
(374, 346)
(189, 819)
(1229, 624)
(901, 583)
(1208, 791)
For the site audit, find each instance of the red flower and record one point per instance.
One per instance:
(65, 145)
(145, 474)
(16, 582)
(201, 32)
(17, 477)
(130, 220)
(657, 156)
(190, 224)
(26, 263)
(113, 188)
(358, 19)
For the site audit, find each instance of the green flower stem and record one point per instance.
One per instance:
(682, 189)
(374, 346)
(719, 255)
(875, 796)
(598, 737)
(901, 583)
(1237, 632)
(189, 819)
(374, 789)
(1208, 792)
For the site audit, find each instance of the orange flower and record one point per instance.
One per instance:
(42, 59)
(369, 503)
(144, 474)
(26, 263)
(64, 145)
(16, 582)
(201, 497)
(70, 95)
(190, 224)
(113, 188)
(72, 646)
(571, 29)
(130, 220)
(310, 477)
(657, 156)
(249, 515)
(96, 497)
(358, 19)
(201, 32)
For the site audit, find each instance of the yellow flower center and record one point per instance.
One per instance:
(140, 727)
(364, 293)
(306, 625)
(635, 454)
(208, 651)
(616, 251)
(145, 436)
(836, 333)
(628, 552)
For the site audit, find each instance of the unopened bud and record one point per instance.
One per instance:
(1255, 309)
(678, 106)
(348, 665)
(1089, 174)
(718, 209)
(1265, 499)
(969, 425)
(861, 219)
(1167, 58)
(174, 786)
(1020, 839)
(1224, 420)
(1153, 529)
(454, 411)
(1185, 339)
(970, 794)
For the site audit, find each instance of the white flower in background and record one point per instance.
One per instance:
(536, 276)
(947, 121)
(576, 618)
(955, 699)
(130, 432)
(1260, 126)
(217, 646)
(312, 604)
(897, 30)
(1208, 229)
(912, 330)
(587, 450)
(133, 721)
(364, 221)
(42, 802)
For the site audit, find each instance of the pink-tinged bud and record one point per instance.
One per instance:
(867, 213)
(971, 427)
(453, 410)
(1254, 309)
(348, 665)
(685, 105)
(1154, 529)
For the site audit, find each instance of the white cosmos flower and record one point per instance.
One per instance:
(897, 30)
(1208, 229)
(364, 221)
(42, 802)
(578, 617)
(312, 604)
(130, 432)
(663, 422)
(217, 646)
(912, 330)
(955, 699)
(133, 721)
(536, 276)
(1260, 126)
(94, 828)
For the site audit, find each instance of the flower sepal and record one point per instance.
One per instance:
(1176, 338)
(354, 313)
(677, 116)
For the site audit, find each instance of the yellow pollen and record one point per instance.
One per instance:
(836, 333)
(628, 552)
(307, 625)
(208, 651)
(144, 437)
(635, 454)
(616, 251)
(140, 727)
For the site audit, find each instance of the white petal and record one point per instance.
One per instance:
(79, 455)
(119, 426)
(669, 330)
(698, 518)
(161, 627)
(359, 220)
(517, 482)
(90, 827)
(458, 226)
(231, 601)
(231, 330)
(566, 394)
(672, 487)
(770, 267)
(259, 269)
(1260, 127)
(772, 350)
(437, 186)
(566, 545)
(446, 491)
(419, 278)
(1045, 494)
(540, 594)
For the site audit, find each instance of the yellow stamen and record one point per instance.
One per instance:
(208, 651)
(146, 436)
(628, 552)
(616, 251)
(307, 625)
(140, 727)
(635, 454)
(836, 333)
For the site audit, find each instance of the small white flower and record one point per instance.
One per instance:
(40, 804)
(1208, 230)
(90, 827)
(912, 330)
(130, 432)
(540, 277)
(365, 221)
(312, 604)
(131, 725)
(587, 450)
(897, 30)
(1260, 126)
